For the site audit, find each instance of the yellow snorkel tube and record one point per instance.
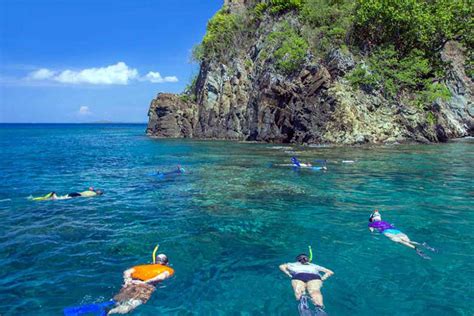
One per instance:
(154, 253)
(310, 253)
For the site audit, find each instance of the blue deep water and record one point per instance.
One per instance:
(229, 221)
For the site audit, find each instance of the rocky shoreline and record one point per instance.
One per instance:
(245, 98)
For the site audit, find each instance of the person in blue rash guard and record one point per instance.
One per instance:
(297, 164)
(306, 276)
(389, 230)
(178, 170)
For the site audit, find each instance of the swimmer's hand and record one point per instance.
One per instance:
(127, 276)
(327, 274)
(159, 278)
(137, 282)
(284, 269)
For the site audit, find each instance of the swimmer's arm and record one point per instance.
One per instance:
(284, 269)
(327, 274)
(371, 229)
(127, 275)
(159, 277)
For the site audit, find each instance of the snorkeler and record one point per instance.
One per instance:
(297, 164)
(89, 193)
(140, 283)
(160, 174)
(306, 277)
(53, 196)
(376, 223)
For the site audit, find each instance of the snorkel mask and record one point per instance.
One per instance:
(302, 258)
(162, 259)
(159, 259)
(375, 216)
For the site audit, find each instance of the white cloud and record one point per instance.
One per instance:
(118, 74)
(156, 77)
(84, 110)
(41, 74)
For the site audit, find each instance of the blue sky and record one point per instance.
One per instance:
(85, 60)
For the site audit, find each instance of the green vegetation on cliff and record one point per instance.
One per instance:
(402, 40)
(224, 33)
(413, 24)
(396, 43)
(388, 71)
(327, 23)
(220, 33)
(277, 6)
(289, 49)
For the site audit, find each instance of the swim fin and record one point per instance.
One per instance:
(99, 309)
(320, 311)
(422, 254)
(42, 198)
(303, 307)
(429, 247)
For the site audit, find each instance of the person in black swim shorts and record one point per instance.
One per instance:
(306, 277)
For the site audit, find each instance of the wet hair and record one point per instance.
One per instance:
(371, 218)
(302, 258)
(162, 259)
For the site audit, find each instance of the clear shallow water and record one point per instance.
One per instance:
(229, 223)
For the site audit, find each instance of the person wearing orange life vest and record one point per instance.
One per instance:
(139, 284)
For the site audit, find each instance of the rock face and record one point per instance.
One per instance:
(169, 116)
(245, 98)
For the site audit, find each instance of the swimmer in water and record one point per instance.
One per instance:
(137, 291)
(299, 164)
(178, 170)
(53, 196)
(376, 223)
(306, 277)
(89, 193)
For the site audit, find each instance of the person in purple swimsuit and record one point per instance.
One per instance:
(377, 224)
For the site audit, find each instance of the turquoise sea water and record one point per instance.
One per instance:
(229, 222)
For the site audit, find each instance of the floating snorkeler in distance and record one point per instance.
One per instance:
(91, 192)
(139, 284)
(389, 230)
(296, 164)
(179, 170)
(306, 277)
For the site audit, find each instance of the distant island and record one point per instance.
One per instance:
(102, 122)
(112, 122)
(344, 72)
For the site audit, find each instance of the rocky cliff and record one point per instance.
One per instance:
(242, 95)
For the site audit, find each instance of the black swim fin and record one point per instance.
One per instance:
(320, 312)
(429, 247)
(422, 254)
(303, 307)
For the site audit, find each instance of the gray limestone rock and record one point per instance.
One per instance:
(245, 98)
